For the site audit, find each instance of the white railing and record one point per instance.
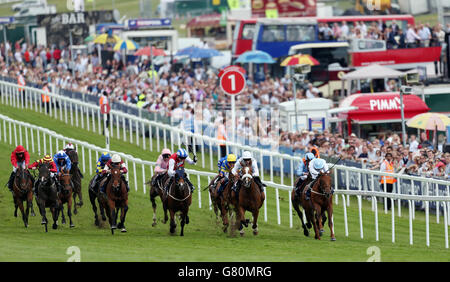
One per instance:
(43, 141)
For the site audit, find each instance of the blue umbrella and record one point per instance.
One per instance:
(256, 57)
(198, 53)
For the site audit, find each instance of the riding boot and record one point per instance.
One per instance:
(11, 180)
(308, 189)
(260, 184)
(299, 191)
(35, 188)
(190, 184)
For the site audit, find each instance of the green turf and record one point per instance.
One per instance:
(203, 239)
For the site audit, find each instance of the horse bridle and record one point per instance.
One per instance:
(325, 194)
(20, 186)
(183, 185)
(247, 177)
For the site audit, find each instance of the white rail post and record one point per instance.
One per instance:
(410, 222)
(445, 223)
(399, 192)
(361, 231)
(278, 206)
(437, 204)
(347, 184)
(345, 215)
(427, 219)
(199, 191)
(143, 179)
(393, 218)
(124, 129)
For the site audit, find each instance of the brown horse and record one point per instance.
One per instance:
(320, 200)
(65, 196)
(178, 199)
(76, 180)
(116, 199)
(23, 191)
(249, 198)
(93, 195)
(296, 202)
(157, 190)
(221, 202)
(47, 196)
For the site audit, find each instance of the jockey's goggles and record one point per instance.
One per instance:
(166, 156)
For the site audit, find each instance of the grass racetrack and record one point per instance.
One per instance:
(203, 240)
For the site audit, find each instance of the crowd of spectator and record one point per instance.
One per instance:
(421, 35)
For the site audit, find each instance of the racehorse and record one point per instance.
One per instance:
(296, 202)
(320, 200)
(47, 196)
(249, 198)
(93, 195)
(116, 199)
(76, 179)
(65, 196)
(155, 191)
(23, 191)
(178, 199)
(221, 202)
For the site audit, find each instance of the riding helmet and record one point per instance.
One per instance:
(309, 156)
(319, 164)
(116, 158)
(246, 155)
(231, 158)
(47, 158)
(181, 153)
(105, 156)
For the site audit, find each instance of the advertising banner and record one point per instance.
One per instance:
(284, 8)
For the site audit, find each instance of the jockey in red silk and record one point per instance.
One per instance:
(19, 157)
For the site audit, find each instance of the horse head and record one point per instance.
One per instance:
(44, 172)
(247, 177)
(66, 180)
(324, 183)
(116, 179)
(179, 180)
(22, 178)
(73, 155)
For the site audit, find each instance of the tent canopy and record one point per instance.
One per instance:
(373, 71)
(312, 104)
(379, 107)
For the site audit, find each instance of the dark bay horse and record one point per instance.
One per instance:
(157, 190)
(249, 198)
(47, 196)
(94, 195)
(23, 191)
(76, 174)
(65, 196)
(321, 200)
(178, 199)
(296, 202)
(116, 199)
(221, 201)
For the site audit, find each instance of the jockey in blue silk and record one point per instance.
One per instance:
(316, 167)
(303, 170)
(225, 165)
(62, 161)
(104, 158)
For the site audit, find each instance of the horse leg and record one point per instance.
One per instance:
(317, 218)
(15, 206)
(69, 211)
(63, 218)
(183, 222)
(22, 210)
(255, 222)
(80, 196)
(54, 211)
(123, 214)
(75, 211)
(152, 199)
(240, 219)
(295, 204)
(30, 204)
(173, 225)
(92, 198)
(330, 221)
(165, 213)
(112, 216)
(224, 214)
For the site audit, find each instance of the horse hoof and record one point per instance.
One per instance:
(321, 232)
(55, 226)
(75, 212)
(242, 234)
(113, 227)
(306, 233)
(153, 224)
(96, 222)
(63, 221)
(255, 233)
(123, 230)
(333, 239)
(104, 218)
(43, 222)
(72, 225)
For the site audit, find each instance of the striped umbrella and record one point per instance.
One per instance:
(126, 45)
(146, 51)
(106, 38)
(429, 121)
(299, 59)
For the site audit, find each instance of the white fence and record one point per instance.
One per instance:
(88, 117)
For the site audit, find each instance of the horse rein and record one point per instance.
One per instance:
(176, 199)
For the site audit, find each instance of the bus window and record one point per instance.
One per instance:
(300, 33)
(273, 33)
(247, 31)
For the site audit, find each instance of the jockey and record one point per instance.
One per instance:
(62, 161)
(316, 166)
(225, 165)
(19, 157)
(248, 159)
(115, 162)
(162, 165)
(104, 158)
(47, 159)
(303, 170)
(176, 161)
(69, 147)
